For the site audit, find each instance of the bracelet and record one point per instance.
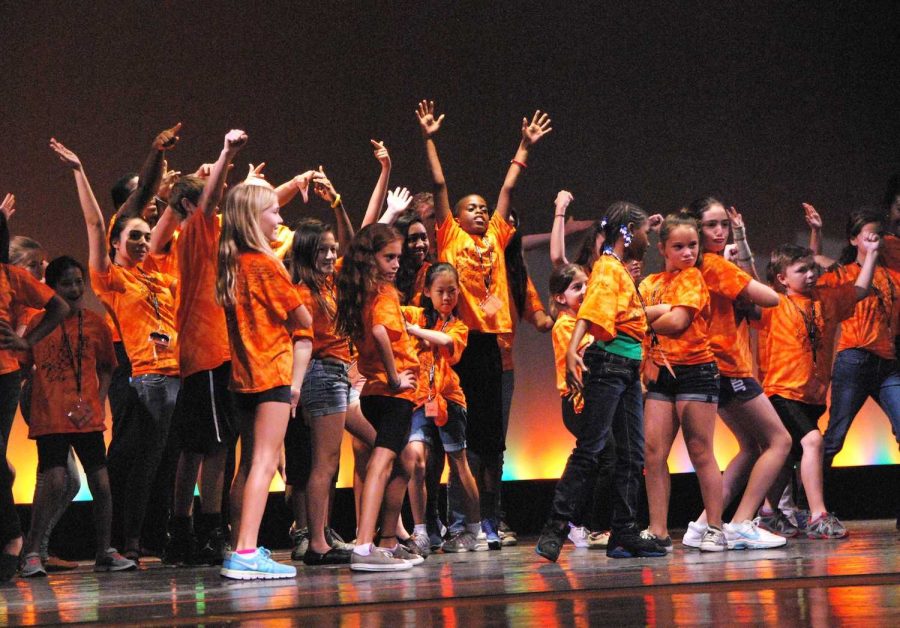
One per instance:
(520, 164)
(559, 215)
(336, 202)
(394, 385)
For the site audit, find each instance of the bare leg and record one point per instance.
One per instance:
(698, 421)
(414, 458)
(185, 479)
(236, 495)
(460, 464)
(393, 501)
(811, 471)
(212, 479)
(327, 432)
(660, 428)
(381, 464)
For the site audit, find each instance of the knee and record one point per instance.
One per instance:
(781, 443)
(698, 450)
(812, 442)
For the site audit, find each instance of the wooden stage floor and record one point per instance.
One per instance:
(809, 583)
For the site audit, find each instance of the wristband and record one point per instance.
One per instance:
(520, 164)
(394, 385)
(559, 215)
(336, 201)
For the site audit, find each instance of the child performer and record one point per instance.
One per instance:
(800, 342)
(474, 245)
(261, 306)
(73, 367)
(369, 313)
(613, 315)
(442, 410)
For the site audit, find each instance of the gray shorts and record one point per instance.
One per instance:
(326, 388)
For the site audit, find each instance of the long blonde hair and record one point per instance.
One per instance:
(241, 234)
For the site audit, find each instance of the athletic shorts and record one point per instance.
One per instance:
(53, 450)
(692, 382)
(204, 415)
(391, 418)
(452, 434)
(247, 402)
(740, 389)
(799, 418)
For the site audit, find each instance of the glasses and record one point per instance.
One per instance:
(136, 236)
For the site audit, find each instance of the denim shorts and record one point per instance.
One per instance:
(740, 389)
(692, 382)
(326, 388)
(452, 434)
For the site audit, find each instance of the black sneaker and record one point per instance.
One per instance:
(8, 566)
(334, 556)
(212, 547)
(629, 544)
(551, 541)
(181, 548)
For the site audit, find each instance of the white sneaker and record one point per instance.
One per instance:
(748, 535)
(693, 535)
(713, 541)
(578, 535)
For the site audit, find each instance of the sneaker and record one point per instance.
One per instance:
(578, 535)
(598, 540)
(404, 554)
(181, 548)
(134, 555)
(826, 526)
(32, 567)
(662, 543)
(255, 566)
(334, 556)
(8, 566)
(489, 527)
(112, 560)
(550, 543)
(629, 544)
(213, 547)
(801, 518)
(55, 563)
(300, 540)
(465, 541)
(778, 524)
(420, 542)
(508, 538)
(748, 535)
(334, 540)
(436, 534)
(693, 535)
(713, 540)
(379, 559)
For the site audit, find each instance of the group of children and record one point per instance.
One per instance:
(223, 325)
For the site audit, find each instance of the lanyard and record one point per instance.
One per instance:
(488, 276)
(812, 328)
(75, 359)
(432, 393)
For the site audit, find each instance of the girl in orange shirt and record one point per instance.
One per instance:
(369, 314)
(683, 380)
(261, 307)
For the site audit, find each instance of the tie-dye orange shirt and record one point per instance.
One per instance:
(729, 341)
(611, 304)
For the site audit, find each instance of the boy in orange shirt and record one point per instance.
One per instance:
(800, 334)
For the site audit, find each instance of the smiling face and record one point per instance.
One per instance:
(681, 248)
(417, 243)
(70, 286)
(573, 297)
(715, 227)
(133, 243)
(269, 220)
(387, 260)
(472, 215)
(326, 253)
(33, 261)
(443, 292)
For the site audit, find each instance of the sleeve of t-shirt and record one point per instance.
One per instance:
(28, 290)
(600, 302)
(723, 277)
(834, 276)
(109, 281)
(501, 230)
(307, 299)
(533, 302)
(386, 312)
(689, 290)
(459, 334)
(765, 318)
(412, 314)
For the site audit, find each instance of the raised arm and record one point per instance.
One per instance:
(558, 232)
(324, 189)
(532, 132)
(151, 173)
(429, 125)
(743, 254)
(870, 243)
(376, 201)
(235, 140)
(7, 209)
(815, 222)
(98, 254)
(398, 201)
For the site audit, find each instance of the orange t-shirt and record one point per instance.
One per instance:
(261, 351)
(325, 342)
(442, 359)
(682, 289)
(142, 303)
(22, 316)
(167, 261)
(790, 370)
(874, 323)
(281, 245)
(54, 388)
(200, 321)
(419, 285)
(383, 308)
(479, 261)
(729, 341)
(561, 336)
(532, 306)
(18, 289)
(611, 304)
(890, 251)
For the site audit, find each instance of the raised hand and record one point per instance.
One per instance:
(813, 219)
(381, 154)
(167, 139)
(65, 155)
(204, 171)
(533, 131)
(398, 200)
(655, 222)
(169, 178)
(323, 187)
(256, 172)
(869, 241)
(8, 206)
(563, 198)
(737, 221)
(235, 140)
(428, 123)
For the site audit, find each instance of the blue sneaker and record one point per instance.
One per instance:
(255, 566)
(489, 527)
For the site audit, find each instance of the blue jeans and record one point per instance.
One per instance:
(613, 405)
(857, 375)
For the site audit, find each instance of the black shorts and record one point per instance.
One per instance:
(391, 417)
(799, 418)
(246, 402)
(480, 370)
(297, 453)
(740, 389)
(53, 450)
(204, 413)
(692, 382)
